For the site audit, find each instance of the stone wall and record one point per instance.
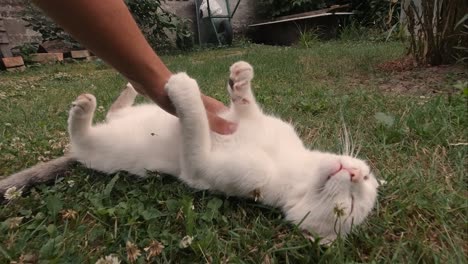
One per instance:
(17, 32)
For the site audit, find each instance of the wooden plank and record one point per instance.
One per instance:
(12, 62)
(317, 13)
(302, 18)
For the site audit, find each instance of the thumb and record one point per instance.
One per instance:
(220, 125)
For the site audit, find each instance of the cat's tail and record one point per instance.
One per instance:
(40, 173)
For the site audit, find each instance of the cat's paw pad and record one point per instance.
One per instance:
(181, 88)
(241, 71)
(84, 104)
(239, 82)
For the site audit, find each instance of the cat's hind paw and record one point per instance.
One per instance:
(83, 105)
(241, 73)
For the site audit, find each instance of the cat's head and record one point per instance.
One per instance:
(341, 194)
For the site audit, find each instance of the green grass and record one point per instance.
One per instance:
(421, 215)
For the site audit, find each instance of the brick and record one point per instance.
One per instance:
(12, 62)
(54, 46)
(46, 57)
(17, 69)
(79, 54)
(92, 58)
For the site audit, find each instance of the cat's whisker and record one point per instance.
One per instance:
(352, 147)
(357, 151)
(347, 147)
(342, 144)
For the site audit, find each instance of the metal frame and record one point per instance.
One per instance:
(229, 16)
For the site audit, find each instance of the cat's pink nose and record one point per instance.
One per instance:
(354, 174)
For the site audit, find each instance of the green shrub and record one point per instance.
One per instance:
(436, 30)
(45, 26)
(156, 24)
(381, 14)
(462, 27)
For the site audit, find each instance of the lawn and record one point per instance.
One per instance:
(415, 139)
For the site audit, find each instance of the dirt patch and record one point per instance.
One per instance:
(404, 77)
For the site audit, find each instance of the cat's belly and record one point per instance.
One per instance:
(137, 142)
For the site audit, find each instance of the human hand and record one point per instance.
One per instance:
(217, 124)
(212, 106)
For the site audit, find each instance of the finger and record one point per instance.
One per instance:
(220, 125)
(213, 105)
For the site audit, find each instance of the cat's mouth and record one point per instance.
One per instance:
(335, 172)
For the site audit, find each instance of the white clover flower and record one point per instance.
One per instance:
(186, 241)
(71, 183)
(154, 249)
(133, 252)
(14, 222)
(12, 193)
(111, 259)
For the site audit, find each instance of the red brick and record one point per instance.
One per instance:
(12, 62)
(92, 58)
(79, 54)
(46, 57)
(54, 46)
(17, 69)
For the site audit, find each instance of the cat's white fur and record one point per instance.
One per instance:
(264, 159)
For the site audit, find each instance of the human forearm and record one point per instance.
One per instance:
(120, 42)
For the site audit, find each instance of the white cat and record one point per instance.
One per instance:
(324, 193)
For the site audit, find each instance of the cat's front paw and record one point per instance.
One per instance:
(84, 104)
(182, 89)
